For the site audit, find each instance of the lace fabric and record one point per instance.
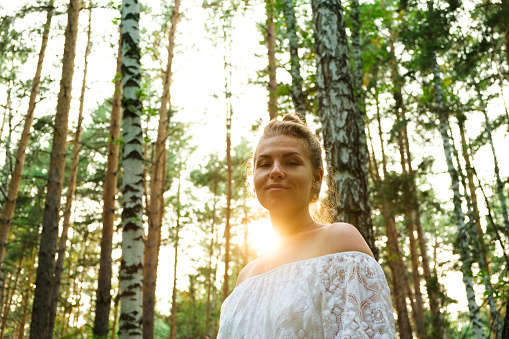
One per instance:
(342, 295)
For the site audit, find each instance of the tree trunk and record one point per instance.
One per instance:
(103, 294)
(229, 113)
(71, 188)
(116, 301)
(473, 195)
(158, 183)
(500, 184)
(173, 314)
(226, 288)
(462, 241)
(298, 97)
(26, 298)
(394, 257)
(39, 327)
(12, 191)
(270, 38)
(7, 308)
(131, 268)
(346, 154)
(211, 254)
(496, 326)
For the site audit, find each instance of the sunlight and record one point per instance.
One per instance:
(261, 236)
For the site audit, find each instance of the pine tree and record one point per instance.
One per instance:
(39, 327)
(12, 192)
(103, 294)
(158, 183)
(71, 187)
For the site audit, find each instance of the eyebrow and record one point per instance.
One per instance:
(285, 155)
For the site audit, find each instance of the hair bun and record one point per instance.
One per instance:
(292, 118)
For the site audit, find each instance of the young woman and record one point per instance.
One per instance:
(322, 281)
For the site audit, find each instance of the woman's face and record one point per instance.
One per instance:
(283, 174)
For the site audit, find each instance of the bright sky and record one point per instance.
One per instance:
(197, 91)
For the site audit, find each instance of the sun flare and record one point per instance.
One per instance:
(261, 236)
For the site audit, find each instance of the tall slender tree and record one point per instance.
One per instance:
(465, 255)
(131, 268)
(103, 294)
(157, 187)
(12, 191)
(298, 97)
(40, 324)
(270, 39)
(71, 186)
(346, 155)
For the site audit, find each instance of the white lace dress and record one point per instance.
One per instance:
(342, 295)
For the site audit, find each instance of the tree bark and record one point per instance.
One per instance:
(131, 269)
(71, 188)
(39, 327)
(173, 314)
(394, 256)
(226, 288)
(473, 195)
(158, 183)
(346, 154)
(298, 97)
(270, 38)
(500, 184)
(211, 253)
(12, 191)
(465, 255)
(103, 294)
(496, 326)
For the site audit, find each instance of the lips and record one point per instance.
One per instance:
(276, 187)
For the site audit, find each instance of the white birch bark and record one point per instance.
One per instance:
(298, 97)
(500, 184)
(131, 270)
(462, 240)
(346, 153)
(496, 325)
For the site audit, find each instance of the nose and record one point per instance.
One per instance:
(277, 172)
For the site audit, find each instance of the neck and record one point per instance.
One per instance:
(287, 225)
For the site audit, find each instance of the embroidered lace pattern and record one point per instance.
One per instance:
(343, 295)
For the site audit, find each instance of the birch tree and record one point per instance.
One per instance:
(298, 97)
(345, 153)
(465, 255)
(131, 269)
(39, 327)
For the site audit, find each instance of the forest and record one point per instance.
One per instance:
(127, 130)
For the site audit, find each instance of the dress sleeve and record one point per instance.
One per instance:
(356, 301)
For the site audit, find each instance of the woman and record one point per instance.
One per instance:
(322, 281)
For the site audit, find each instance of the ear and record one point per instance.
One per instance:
(317, 178)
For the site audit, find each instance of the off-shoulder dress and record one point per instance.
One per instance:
(342, 295)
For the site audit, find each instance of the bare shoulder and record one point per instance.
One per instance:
(344, 237)
(246, 272)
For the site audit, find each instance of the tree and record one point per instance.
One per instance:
(71, 189)
(270, 38)
(131, 269)
(10, 203)
(103, 295)
(298, 97)
(158, 183)
(347, 179)
(39, 327)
